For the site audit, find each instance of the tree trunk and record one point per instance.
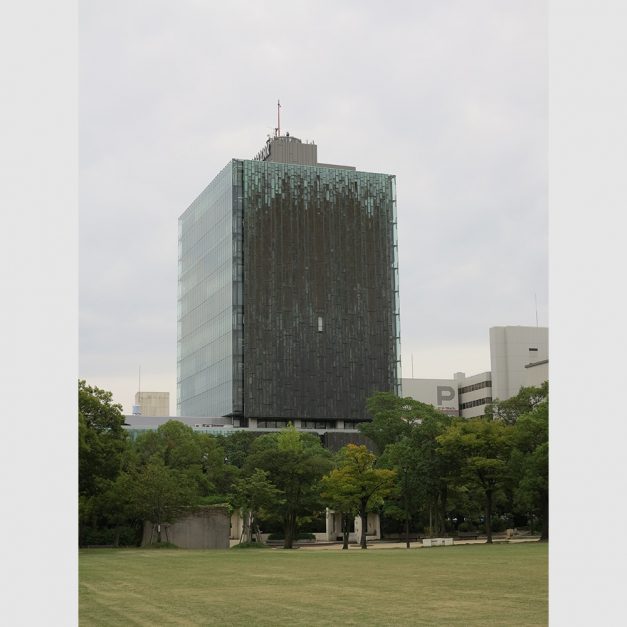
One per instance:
(289, 529)
(442, 499)
(531, 523)
(406, 508)
(116, 538)
(246, 535)
(249, 527)
(440, 526)
(544, 536)
(363, 515)
(345, 531)
(158, 533)
(488, 515)
(407, 543)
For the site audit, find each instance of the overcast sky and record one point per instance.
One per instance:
(451, 97)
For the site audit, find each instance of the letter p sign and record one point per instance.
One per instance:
(445, 393)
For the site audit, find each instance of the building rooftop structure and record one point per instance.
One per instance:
(289, 149)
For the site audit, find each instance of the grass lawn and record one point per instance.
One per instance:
(502, 584)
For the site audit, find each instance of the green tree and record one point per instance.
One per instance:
(254, 495)
(174, 442)
(508, 411)
(237, 446)
(296, 462)
(480, 448)
(394, 417)
(197, 455)
(405, 458)
(117, 508)
(530, 464)
(433, 468)
(356, 474)
(158, 494)
(340, 493)
(421, 468)
(215, 463)
(102, 438)
(102, 445)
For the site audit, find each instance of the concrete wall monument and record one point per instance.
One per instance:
(204, 528)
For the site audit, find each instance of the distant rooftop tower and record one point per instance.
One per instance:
(152, 404)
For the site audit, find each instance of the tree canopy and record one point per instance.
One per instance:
(357, 484)
(394, 417)
(482, 449)
(102, 438)
(431, 473)
(510, 410)
(296, 462)
(254, 495)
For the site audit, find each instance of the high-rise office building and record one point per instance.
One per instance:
(288, 304)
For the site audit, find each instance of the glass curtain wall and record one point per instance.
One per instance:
(206, 302)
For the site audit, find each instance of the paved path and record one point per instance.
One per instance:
(400, 545)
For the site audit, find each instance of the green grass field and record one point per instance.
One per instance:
(501, 584)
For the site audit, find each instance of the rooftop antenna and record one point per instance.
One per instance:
(535, 297)
(137, 408)
(278, 118)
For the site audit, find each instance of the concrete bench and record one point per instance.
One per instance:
(437, 542)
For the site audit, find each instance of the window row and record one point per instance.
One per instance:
(272, 424)
(476, 386)
(316, 424)
(479, 401)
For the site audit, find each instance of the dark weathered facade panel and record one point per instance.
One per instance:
(320, 325)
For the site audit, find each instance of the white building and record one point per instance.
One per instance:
(536, 373)
(519, 357)
(441, 393)
(511, 349)
(475, 392)
(461, 396)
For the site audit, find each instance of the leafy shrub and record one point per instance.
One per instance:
(300, 536)
(213, 499)
(499, 524)
(313, 524)
(250, 545)
(306, 536)
(128, 536)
